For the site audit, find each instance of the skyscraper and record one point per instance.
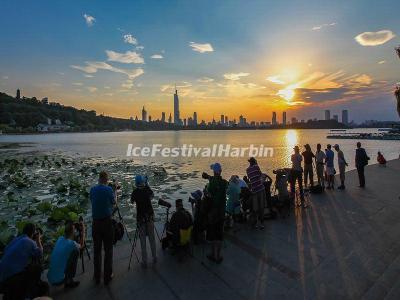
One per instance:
(144, 115)
(336, 118)
(273, 118)
(345, 116)
(222, 119)
(284, 118)
(170, 118)
(18, 94)
(226, 121)
(195, 118)
(327, 115)
(163, 117)
(177, 120)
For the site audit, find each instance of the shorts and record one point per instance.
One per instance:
(215, 232)
(330, 171)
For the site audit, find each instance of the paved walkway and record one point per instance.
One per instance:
(345, 246)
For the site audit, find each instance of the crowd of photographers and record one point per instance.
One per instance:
(220, 205)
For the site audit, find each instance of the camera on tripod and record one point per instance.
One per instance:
(38, 231)
(164, 203)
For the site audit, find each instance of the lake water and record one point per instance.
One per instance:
(115, 144)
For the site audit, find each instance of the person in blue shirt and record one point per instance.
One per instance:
(20, 266)
(330, 169)
(102, 197)
(64, 257)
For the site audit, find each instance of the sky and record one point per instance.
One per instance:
(226, 57)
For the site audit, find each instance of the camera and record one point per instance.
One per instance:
(204, 175)
(114, 185)
(38, 231)
(164, 203)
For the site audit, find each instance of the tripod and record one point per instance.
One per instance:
(81, 252)
(164, 231)
(135, 238)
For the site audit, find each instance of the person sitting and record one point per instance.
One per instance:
(381, 159)
(64, 257)
(20, 266)
(180, 220)
(233, 203)
(141, 196)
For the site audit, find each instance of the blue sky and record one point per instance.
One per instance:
(246, 57)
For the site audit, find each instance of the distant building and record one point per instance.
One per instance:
(294, 120)
(18, 96)
(177, 120)
(49, 127)
(327, 115)
(336, 118)
(45, 100)
(184, 122)
(144, 115)
(195, 118)
(170, 119)
(226, 121)
(149, 118)
(242, 121)
(345, 116)
(163, 117)
(284, 118)
(273, 118)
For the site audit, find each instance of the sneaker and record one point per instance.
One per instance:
(72, 284)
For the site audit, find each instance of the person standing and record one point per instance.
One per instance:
(361, 161)
(215, 211)
(142, 196)
(342, 166)
(297, 174)
(308, 165)
(102, 198)
(330, 169)
(319, 165)
(257, 189)
(233, 203)
(64, 257)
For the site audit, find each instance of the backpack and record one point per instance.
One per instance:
(118, 231)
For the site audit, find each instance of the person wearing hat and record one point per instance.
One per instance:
(255, 177)
(330, 169)
(181, 219)
(297, 173)
(342, 166)
(215, 211)
(308, 165)
(141, 196)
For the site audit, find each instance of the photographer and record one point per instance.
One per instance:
(142, 196)
(180, 220)
(20, 266)
(102, 198)
(215, 210)
(64, 257)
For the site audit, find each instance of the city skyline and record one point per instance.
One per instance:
(293, 56)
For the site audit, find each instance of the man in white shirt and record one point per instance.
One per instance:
(297, 174)
(342, 166)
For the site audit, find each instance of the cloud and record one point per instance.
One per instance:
(129, 57)
(171, 88)
(93, 66)
(77, 83)
(202, 48)
(88, 76)
(5, 77)
(128, 84)
(382, 62)
(157, 56)
(374, 38)
(319, 27)
(89, 19)
(139, 48)
(128, 38)
(235, 76)
(92, 89)
(205, 79)
(275, 79)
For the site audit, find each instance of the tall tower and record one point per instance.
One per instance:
(274, 118)
(195, 118)
(345, 116)
(170, 118)
(163, 117)
(327, 115)
(284, 118)
(222, 119)
(177, 120)
(144, 115)
(18, 94)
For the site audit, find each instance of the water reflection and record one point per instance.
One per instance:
(291, 140)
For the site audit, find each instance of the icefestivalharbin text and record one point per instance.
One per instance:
(216, 150)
